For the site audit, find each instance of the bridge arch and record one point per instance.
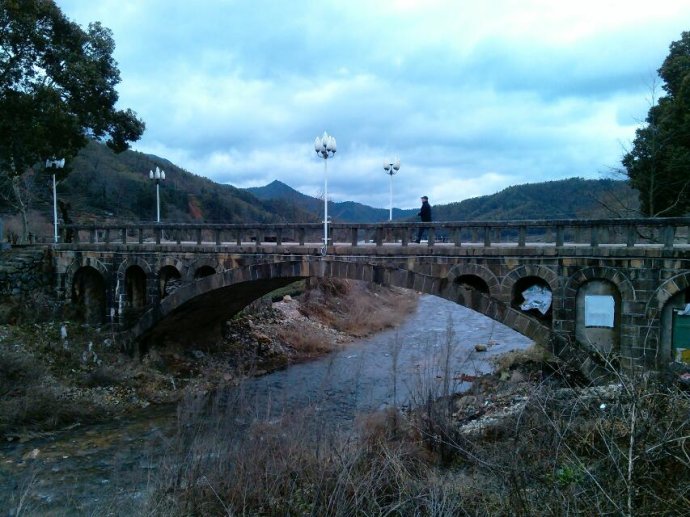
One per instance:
(85, 261)
(531, 270)
(133, 277)
(88, 295)
(524, 277)
(222, 294)
(169, 279)
(201, 268)
(603, 340)
(135, 287)
(672, 294)
(460, 271)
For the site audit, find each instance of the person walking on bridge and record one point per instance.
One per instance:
(425, 215)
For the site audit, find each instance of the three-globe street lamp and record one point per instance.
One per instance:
(157, 176)
(325, 147)
(391, 168)
(54, 165)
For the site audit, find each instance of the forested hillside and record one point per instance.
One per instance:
(565, 199)
(573, 198)
(106, 185)
(345, 211)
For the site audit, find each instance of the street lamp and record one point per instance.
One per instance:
(391, 168)
(158, 176)
(325, 147)
(54, 165)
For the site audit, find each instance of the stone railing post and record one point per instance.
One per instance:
(379, 236)
(487, 236)
(522, 236)
(432, 236)
(669, 236)
(457, 236)
(594, 236)
(560, 235)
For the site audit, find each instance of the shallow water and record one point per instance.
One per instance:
(103, 469)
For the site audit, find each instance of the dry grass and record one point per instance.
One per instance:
(306, 341)
(568, 451)
(357, 308)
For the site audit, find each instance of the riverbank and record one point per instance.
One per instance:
(57, 374)
(530, 438)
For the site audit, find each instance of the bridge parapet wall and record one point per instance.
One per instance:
(664, 232)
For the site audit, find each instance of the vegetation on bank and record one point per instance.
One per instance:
(527, 440)
(534, 438)
(55, 374)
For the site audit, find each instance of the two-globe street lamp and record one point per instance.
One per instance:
(325, 147)
(391, 168)
(53, 165)
(158, 176)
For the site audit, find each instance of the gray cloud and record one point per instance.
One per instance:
(473, 97)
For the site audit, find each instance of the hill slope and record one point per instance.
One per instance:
(117, 186)
(346, 211)
(107, 186)
(564, 199)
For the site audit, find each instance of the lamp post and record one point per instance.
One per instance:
(158, 176)
(391, 168)
(325, 147)
(53, 165)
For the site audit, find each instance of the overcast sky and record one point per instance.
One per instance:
(472, 96)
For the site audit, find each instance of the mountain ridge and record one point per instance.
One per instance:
(108, 187)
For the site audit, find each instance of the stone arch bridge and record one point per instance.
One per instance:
(598, 290)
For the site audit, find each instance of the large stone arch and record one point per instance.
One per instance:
(214, 297)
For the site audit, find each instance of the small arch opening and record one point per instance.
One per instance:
(472, 282)
(169, 279)
(204, 271)
(598, 316)
(135, 287)
(532, 295)
(674, 343)
(88, 296)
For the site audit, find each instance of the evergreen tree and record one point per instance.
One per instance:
(57, 90)
(658, 164)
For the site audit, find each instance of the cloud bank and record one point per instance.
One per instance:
(471, 98)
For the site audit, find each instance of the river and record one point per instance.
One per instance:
(101, 470)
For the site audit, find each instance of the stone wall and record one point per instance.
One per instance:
(27, 285)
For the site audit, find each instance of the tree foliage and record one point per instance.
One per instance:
(659, 161)
(57, 88)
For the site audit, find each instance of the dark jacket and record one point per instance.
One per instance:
(425, 212)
